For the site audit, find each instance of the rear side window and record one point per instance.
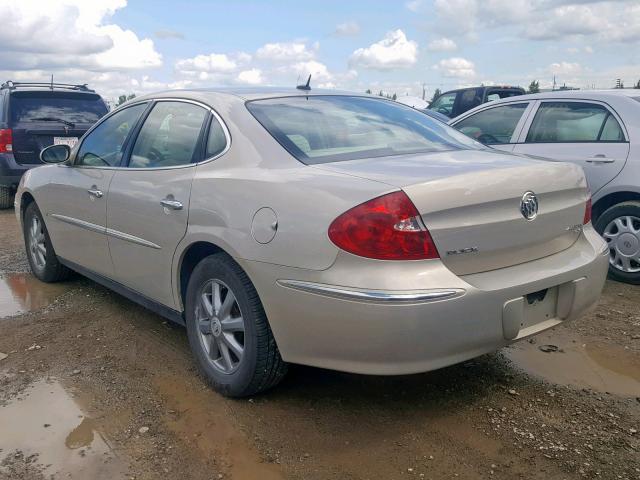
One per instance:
(497, 94)
(322, 129)
(572, 122)
(469, 99)
(169, 136)
(493, 126)
(103, 146)
(216, 140)
(77, 108)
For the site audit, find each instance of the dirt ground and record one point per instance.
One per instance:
(93, 386)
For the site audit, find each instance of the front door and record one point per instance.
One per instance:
(148, 203)
(586, 133)
(75, 203)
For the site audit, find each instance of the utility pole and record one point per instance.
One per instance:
(423, 91)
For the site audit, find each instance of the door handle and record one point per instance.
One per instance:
(171, 204)
(94, 192)
(600, 158)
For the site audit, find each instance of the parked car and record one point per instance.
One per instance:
(598, 130)
(422, 106)
(328, 229)
(456, 102)
(36, 115)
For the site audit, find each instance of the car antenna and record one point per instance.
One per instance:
(306, 86)
(52, 81)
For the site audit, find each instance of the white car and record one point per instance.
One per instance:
(598, 130)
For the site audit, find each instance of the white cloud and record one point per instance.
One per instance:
(169, 34)
(413, 5)
(211, 63)
(612, 21)
(442, 45)
(393, 51)
(347, 29)
(285, 52)
(58, 33)
(456, 67)
(251, 77)
(317, 70)
(565, 68)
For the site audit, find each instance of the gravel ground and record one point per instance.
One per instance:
(93, 386)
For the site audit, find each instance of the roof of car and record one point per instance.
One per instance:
(252, 93)
(586, 94)
(45, 87)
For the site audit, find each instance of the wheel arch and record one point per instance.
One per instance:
(612, 199)
(26, 199)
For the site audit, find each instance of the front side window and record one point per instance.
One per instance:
(169, 136)
(322, 129)
(444, 104)
(104, 145)
(568, 122)
(494, 126)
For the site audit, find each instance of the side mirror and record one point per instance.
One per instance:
(55, 154)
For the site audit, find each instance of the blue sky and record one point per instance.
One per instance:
(138, 46)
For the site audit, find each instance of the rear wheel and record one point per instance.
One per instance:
(6, 197)
(620, 227)
(42, 257)
(228, 330)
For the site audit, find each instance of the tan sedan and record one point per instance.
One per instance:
(328, 229)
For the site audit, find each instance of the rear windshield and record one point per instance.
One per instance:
(71, 107)
(322, 129)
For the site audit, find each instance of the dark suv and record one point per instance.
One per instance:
(36, 115)
(456, 102)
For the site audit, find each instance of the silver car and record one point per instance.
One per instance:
(598, 130)
(329, 229)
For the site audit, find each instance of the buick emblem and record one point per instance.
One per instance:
(529, 206)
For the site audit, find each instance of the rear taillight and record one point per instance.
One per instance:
(6, 140)
(587, 211)
(385, 228)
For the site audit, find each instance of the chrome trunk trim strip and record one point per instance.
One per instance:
(373, 296)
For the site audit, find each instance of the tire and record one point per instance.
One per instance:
(259, 366)
(621, 223)
(44, 266)
(6, 198)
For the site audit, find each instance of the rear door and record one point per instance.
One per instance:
(40, 119)
(148, 202)
(497, 126)
(584, 132)
(75, 200)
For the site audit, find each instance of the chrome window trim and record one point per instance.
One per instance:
(215, 114)
(372, 296)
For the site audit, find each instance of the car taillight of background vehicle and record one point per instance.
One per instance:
(385, 228)
(587, 211)
(6, 140)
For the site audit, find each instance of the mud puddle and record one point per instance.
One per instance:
(204, 420)
(22, 292)
(568, 360)
(45, 422)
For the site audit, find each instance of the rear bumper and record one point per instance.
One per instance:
(419, 316)
(10, 171)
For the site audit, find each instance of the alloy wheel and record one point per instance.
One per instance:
(37, 247)
(220, 326)
(623, 236)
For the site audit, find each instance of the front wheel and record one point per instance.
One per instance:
(620, 227)
(42, 257)
(228, 329)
